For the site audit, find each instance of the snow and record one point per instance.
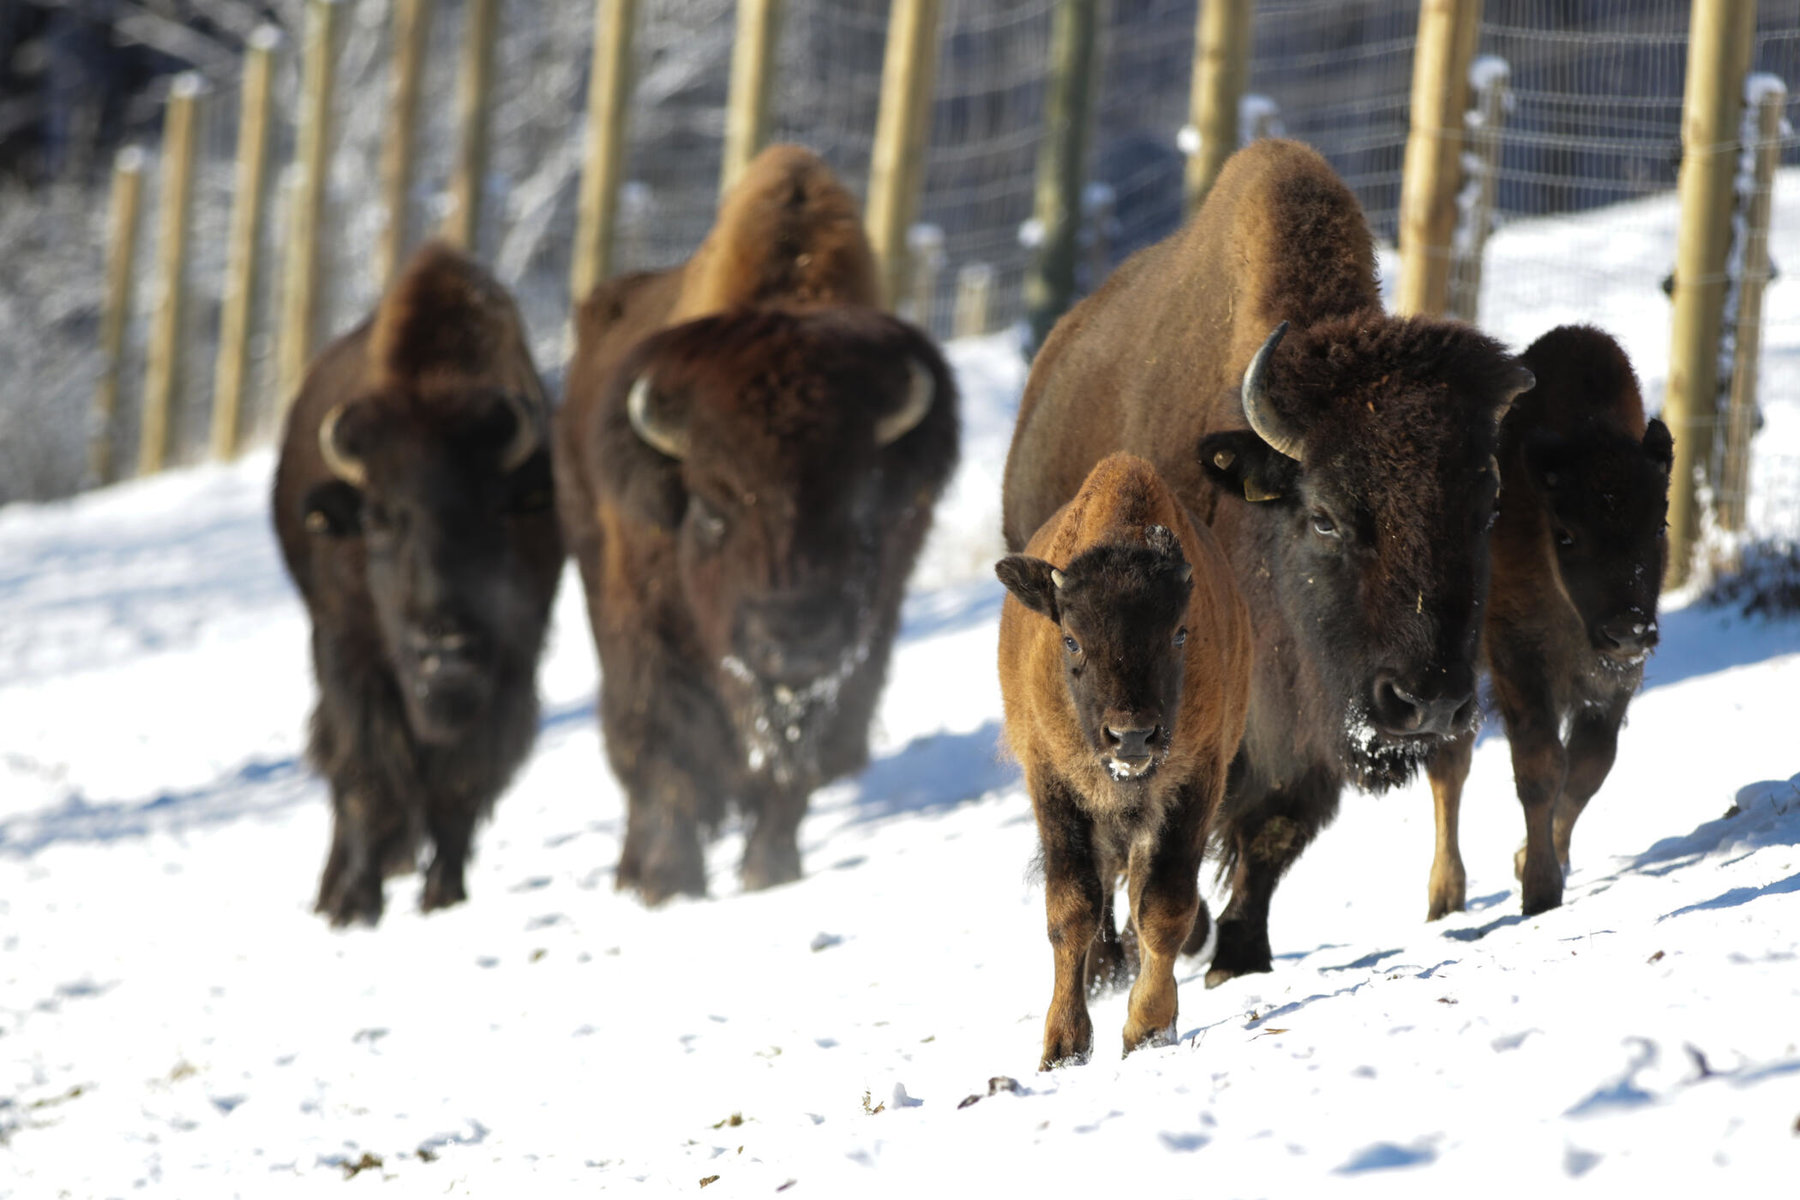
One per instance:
(174, 1020)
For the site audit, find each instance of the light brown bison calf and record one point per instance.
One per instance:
(1125, 700)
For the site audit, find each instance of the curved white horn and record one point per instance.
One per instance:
(1257, 409)
(920, 391)
(525, 435)
(660, 435)
(346, 468)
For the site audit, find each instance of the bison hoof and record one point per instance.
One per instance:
(1148, 1039)
(350, 903)
(1242, 950)
(442, 889)
(657, 879)
(1446, 897)
(769, 866)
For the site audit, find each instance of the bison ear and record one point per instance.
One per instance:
(1032, 580)
(332, 509)
(1659, 445)
(1241, 462)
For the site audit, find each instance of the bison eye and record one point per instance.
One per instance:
(1181, 636)
(1323, 525)
(1073, 646)
(1564, 537)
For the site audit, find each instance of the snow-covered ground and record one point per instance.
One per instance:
(174, 1021)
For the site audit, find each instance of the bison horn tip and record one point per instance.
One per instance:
(921, 388)
(345, 466)
(659, 434)
(1056, 578)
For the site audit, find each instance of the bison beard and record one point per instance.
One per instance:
(413, 502)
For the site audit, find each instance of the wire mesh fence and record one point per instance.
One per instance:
(1585, 215)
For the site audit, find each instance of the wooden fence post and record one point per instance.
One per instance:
(1062, 161)
(301, 289)
(121, 259)
(1448, 30)
(250, 184)
(752, 81)
(902, 126)
(974, 293)
(1221, 68)
(474, 85)
(412, 27)
(175, 211)
(1769, 102)
(609, 94)
(1491, 79)
(925, 249)
(1720, 33)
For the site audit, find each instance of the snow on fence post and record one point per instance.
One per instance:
(121, 258)
(752, 82)
(925, 250)
(300, 278)
(175, 214)
(1062, 160)
(902, 125)
(412, 28)
(474, 86)
(1765, 100)
(250, 192)
(1491, 79)
(1720, 33)
(974, 294)
(1221, 65)
(1448, 30)
(608, 109)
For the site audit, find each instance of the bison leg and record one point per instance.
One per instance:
(1448, 769)
(1593, 744)
(1539, 767)
(369, 837)
(1165, 898)
(1072, 904)
(1109, 959)
(772, 851)
(452, 829)
(661, 735)
(1264, 843)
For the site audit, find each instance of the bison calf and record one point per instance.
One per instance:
(414, 506)
(1578, 556)
(1125, 699)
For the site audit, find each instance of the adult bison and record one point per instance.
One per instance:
(414, 505)
(1354, 507)
(1578, 562)
(747, 463)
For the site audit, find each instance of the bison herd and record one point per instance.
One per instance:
(1263, 538)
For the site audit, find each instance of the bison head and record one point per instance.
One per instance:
(431, 491)
(1118, 610)
(1605, 499)
(793, 457)
(1371, 480)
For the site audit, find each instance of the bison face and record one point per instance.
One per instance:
(799, 455)
(1371, 482)
(1119, 611)
(433, 494)
(1606, 498)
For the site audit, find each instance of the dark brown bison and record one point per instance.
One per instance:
(1354, 507)
(415, 509)
(1125, 701)
(1578, 562)
(748, 461)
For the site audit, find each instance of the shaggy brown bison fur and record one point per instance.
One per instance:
(1578, 562)
(1346, 471)
(748, 460)
(1125, 700)
(414, 505)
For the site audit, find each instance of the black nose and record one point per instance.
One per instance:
(1402, 711)
(1131, 743)
(793, 643)
(1630, 632)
